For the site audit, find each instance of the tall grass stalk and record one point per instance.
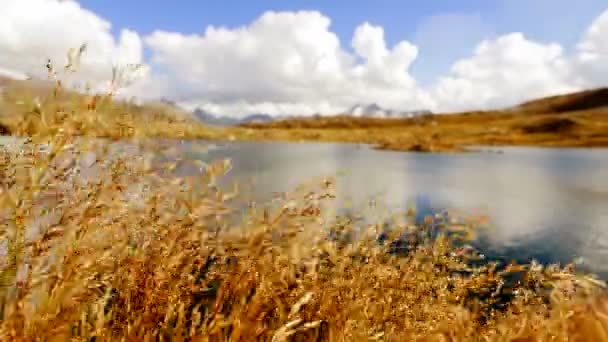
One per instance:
(109, 247)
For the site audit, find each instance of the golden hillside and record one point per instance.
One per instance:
(27, 106)
(575, 120)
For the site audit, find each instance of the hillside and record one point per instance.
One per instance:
(574, 120)
(584, 100)
(26, 106)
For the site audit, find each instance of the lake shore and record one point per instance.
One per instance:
(104, 245)
(570, 120)
(446, 133)
(136, 254)
(573, 120)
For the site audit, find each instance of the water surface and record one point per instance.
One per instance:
(545, 204)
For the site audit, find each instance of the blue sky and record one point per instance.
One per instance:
(234, 57)
(444, 31)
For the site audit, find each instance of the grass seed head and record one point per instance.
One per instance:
(103, 244)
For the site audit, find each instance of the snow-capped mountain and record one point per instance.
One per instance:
(218, 120)
(369, 110)
(374, 110)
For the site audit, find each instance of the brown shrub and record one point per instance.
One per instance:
(549, 125)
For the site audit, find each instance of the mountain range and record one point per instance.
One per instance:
(218, 120)
(375, 111)
(371, 110)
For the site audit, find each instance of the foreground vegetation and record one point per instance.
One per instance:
(38, 107)
(101, 241)
(574, 120)
(110, 245)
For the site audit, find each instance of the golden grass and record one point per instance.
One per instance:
(133, 254)
(586, 111)
(31, 106)
(104, 246)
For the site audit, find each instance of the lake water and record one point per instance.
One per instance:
(545, 204)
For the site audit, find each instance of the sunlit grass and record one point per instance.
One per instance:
(574, 120)
(107, 245)
(41, 107)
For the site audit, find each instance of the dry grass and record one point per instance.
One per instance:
(586, 111)
(99, 245)
(26, 111)
(29, 107)
(109, 246)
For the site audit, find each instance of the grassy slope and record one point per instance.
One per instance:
(84, 264)
(25, 107)
(579, 119)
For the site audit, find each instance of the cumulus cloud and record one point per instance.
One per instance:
(293, 63)
(511, 69)
(503, 72)
(33, 30)
(287, 61)
(592, 57)
(445, 37)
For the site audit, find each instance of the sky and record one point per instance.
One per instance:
(308, 56)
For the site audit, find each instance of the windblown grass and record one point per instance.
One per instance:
(100, 242)
(39, 107)
(106, 245)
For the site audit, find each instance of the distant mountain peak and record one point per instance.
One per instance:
(257, 118)
(373, 106)
(374, 110)
(359, 110)
(213, 120)
(219, 120)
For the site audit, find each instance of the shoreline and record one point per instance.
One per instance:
(381, 146)
(130, 266)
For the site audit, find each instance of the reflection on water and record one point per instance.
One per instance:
(547, 204)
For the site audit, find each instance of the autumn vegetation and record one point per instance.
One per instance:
(101, 243)
(571, 120)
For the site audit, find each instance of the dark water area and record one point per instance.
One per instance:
(550, 205)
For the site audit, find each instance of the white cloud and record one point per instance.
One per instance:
(592, 58)
(286, 61)
(504, 72)
(33, 30)
(293, 63)
(512, 69)
(445, 37)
